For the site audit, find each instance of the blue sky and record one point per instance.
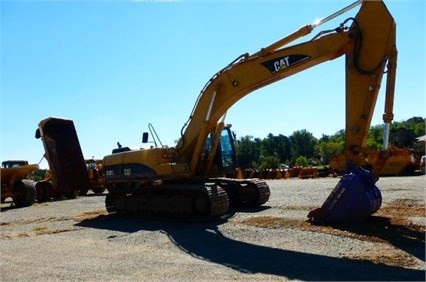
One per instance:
(114, 66)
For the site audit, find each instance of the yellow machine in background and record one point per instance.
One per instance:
(95, 174)
(187, 181)
(404, 155)
(15, 182)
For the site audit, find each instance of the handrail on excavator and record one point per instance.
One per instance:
(305, 30)
(336, 14)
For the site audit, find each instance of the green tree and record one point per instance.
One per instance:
(417, 124)
(375, 137)
(339, 136)
(328, 149)
(277, 147)
(274, 150)
(247, 151)
(402, 134)
(282, 148)
(267, 146)
(268, 162)
(301, 161)
(302, 144)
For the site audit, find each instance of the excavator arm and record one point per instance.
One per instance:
(367, 41)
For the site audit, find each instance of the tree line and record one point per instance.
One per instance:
(303, 149)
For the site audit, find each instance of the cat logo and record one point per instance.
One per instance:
(281, 63)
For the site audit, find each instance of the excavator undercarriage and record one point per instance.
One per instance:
(187, 200)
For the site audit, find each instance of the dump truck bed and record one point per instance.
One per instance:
(64, 155)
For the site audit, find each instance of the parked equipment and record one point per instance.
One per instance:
(403, 160)
(16, 184)
(68, 173)
(96, 178)
(187, 181)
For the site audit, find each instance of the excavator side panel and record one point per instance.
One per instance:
(64, 155)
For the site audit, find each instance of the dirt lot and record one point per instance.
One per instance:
(77, 240)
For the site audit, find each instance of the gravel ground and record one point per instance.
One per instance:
(75, 240)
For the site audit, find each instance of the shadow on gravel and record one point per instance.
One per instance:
(203, 240)
(7, 208)
(7, 205)
(91, 194)
(410, 240)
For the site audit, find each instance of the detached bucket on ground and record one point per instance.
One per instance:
(354, 199)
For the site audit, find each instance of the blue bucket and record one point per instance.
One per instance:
(354, 199)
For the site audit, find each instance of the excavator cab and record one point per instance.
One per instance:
(227, 151)
(224, 158)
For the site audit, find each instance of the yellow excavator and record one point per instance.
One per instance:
(192, 179)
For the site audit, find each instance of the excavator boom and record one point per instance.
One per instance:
(368, 44)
